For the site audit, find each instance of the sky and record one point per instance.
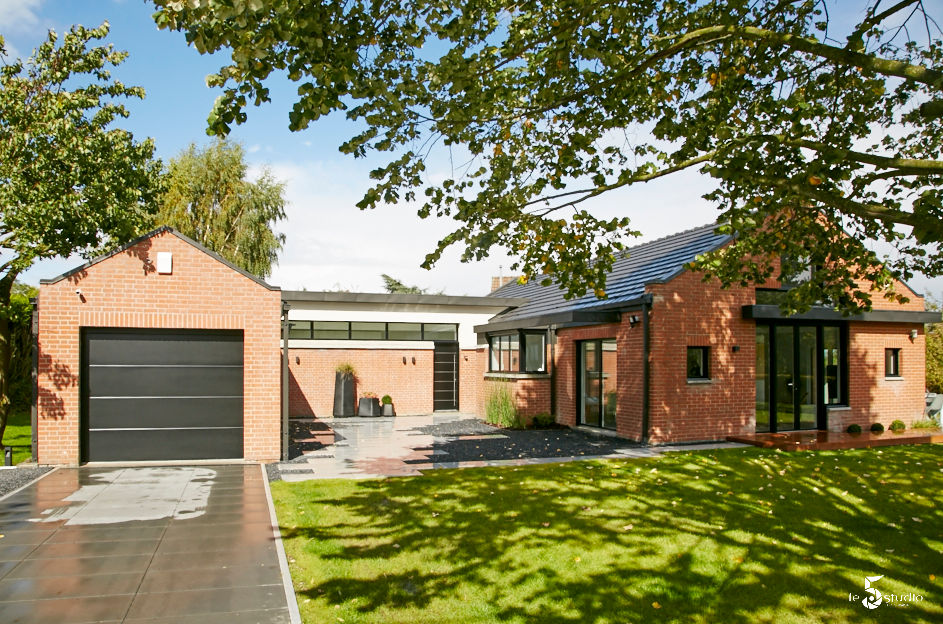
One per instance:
(330, 243)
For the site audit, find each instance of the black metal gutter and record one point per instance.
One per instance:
(34, 373)
(585, 317)
(828, 314)
(646, 372)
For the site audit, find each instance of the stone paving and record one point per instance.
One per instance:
(364, 448)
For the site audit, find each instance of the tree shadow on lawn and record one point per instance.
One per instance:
(737, 536)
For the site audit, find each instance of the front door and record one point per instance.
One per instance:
(445, 376)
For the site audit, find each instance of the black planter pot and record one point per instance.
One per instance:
(343, 394)
(388, 409)
(368, 407)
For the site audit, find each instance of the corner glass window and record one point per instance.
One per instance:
(331, 330)
(299, 330)
(831, 360)
(535, 353)
(892, 362)
(698, 362)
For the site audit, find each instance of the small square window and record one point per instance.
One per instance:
(892, 362)
(698, 361)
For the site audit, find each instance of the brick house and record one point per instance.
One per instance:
(163, 350)
(667, 357)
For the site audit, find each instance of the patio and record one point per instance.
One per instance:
(832, 440)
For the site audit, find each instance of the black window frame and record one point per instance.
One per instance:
(521, 351)
(296, 325)
(705, 361)
(892, 363)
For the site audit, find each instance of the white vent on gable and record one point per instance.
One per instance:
(165, 262)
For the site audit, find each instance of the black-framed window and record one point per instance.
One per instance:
(371, 330)
(698, 362)
(892, 362)
(523, 352)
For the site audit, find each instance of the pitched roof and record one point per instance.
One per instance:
(151, 234)
(653, 262)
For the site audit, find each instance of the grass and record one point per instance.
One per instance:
(18, 435)
(733, 536)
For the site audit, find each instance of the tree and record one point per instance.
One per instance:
(393, 285)
(20, 316)
(210, 199)
(821, 141)
(934, 336)
(69, 181)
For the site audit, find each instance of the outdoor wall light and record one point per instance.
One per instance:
(414, 360)
(404, 360)
(913, 334)
(297, 360)
(633, 320)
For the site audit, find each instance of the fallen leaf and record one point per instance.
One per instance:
(628, 527)
(546, 524)
(932, 577)
(655, 605)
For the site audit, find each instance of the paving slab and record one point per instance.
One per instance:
(143, 544)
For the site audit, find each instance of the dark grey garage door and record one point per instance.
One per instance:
(161, 395)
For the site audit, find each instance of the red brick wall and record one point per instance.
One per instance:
(120, 291)
(531, 395)
(690, 312)
(872, 397)
(311, 378)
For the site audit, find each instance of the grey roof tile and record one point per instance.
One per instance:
(655, 261)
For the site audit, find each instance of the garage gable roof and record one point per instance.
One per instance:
(162, 229)
(654, 262)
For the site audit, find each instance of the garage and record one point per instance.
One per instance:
(156, 394)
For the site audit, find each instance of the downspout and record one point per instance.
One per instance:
(34, 373)
(285, 308)
(646, 372)
(552, 338)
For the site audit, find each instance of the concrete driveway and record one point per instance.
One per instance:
(157, 544)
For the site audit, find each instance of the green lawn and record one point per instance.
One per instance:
(18, 436)
(724, 536)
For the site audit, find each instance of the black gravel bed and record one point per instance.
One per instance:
(18, 477)
(529, 444)
(466, 426)
(272, 471)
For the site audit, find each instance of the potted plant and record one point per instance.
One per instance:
(344, 379)
(369, 405)
(387, 403)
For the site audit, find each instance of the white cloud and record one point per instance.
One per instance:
(19, 15)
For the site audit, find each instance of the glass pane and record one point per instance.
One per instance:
(589, 402)
(610, 384)
(697, 364)
(762, 378)
(831, 360)
(367, 331)
(495, 348)
(892, 362)
(534, 352)
(808, 402)
(299, 330)
(405, 331)
(330, 330)
(785, 382)
(440, 331)
(505, 353)
(515, 348)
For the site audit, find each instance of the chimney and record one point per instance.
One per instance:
(498, 282)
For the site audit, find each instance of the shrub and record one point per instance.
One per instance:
(897, 426)
(925, 424)
(346, 368)
(500, 409)
(544, 420)
(877, 428)
(386, 400)
(368, 395)
(854, 428)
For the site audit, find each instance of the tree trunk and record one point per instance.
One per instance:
(6, 286)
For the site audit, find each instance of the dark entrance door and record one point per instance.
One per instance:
(445, 376)
(598, 383)
(161, 395)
